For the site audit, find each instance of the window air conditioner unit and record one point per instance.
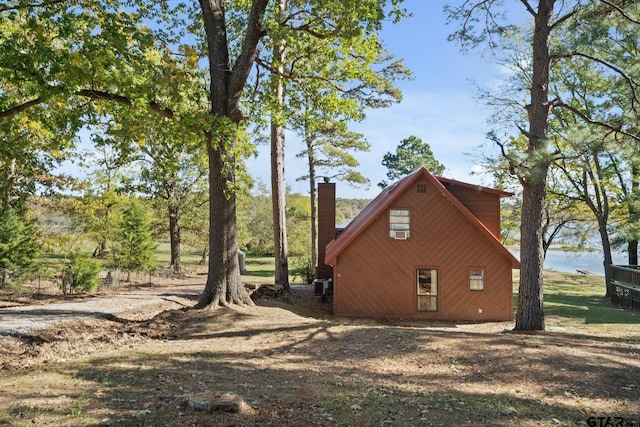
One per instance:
(401, 235)
(323, 287)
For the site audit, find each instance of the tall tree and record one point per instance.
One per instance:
(320, 49)
(334, 83)
(533, 174)
(115, 67)
(551, 19)
(591, 177)
(328, 147)
(227, 80)
(280, 243)
(410, 155)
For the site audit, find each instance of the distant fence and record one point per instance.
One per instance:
(49, 282)
(626, 285)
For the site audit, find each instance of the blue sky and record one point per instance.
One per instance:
(438, 106)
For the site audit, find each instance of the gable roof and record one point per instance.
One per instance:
(454, 182)
(391, 193)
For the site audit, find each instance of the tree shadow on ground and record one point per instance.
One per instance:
(326, 373)
(297, 369)
(589, 309)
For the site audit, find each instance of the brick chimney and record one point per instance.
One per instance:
(326, 226)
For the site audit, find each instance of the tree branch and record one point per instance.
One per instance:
(564, 17)
(101, 95)
(91, 94)
(622, 12)
(630, 81)
(242, 67)
(306, 28)
(528, 7)
(157, 108)
(466, 14)
(512, 164)
(358, 92)
(106, 96)
(583, 116)
(20, 108)
(30, 5)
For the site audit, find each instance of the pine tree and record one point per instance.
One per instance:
(18, 244)
(410, 155)
(134, 247)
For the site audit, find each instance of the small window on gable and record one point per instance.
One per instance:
(476, 279)
(399, 224)
(421, 187)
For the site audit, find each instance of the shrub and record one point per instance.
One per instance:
(81, 274)
(304, 268)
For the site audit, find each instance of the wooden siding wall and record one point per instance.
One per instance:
(485, 206)
(375, 276)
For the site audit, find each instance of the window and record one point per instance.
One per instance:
(476, 279)
(427, 281)
(421, 187)
(399, 223)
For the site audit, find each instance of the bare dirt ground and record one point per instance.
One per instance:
(293, 364)
(133, 303)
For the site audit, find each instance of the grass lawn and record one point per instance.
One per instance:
(576, 303)
(294, 369)
(259, 270)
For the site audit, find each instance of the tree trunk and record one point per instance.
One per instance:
(99, 251)
(530, 314)
(174, 237)
(634, 211)
(223, 285)
(278, 190)
(205, 254)
(606, 251)
(632, 249)
(278, 199)
(314, 208)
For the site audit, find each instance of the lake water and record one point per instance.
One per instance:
(569, 262)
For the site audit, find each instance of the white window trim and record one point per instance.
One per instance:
(477, 284)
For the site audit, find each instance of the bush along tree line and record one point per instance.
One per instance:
(28, 251)
(79, 236)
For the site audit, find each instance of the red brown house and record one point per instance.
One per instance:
(426, 247)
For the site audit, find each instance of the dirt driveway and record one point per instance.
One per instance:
(131, 303)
